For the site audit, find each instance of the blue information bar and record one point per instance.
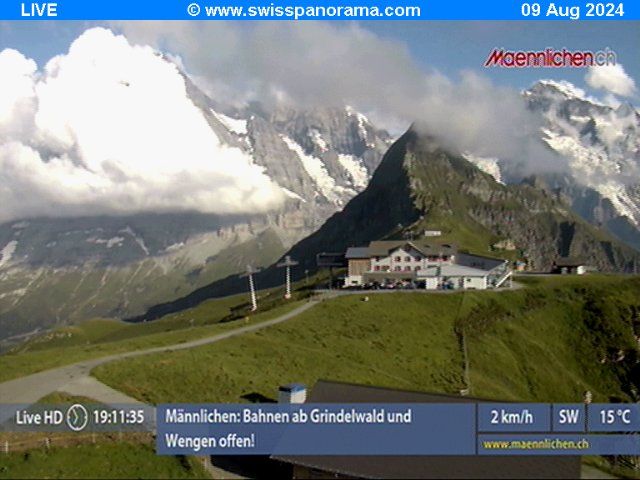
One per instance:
(569, 417)
(571, 10)
(619, 417)
(558, 444)
(316, 429)
(514, 417)
(397, 429)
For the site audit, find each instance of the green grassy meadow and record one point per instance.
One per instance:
(100, 460)
(100, 337)
(333, 340)
(549, 342)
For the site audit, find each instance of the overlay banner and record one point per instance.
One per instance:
(465, 428)
(572, 10)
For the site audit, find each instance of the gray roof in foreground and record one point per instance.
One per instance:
(424, 466)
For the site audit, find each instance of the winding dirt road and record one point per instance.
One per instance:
(76, 379)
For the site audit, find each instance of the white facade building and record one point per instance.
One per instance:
(428, 266)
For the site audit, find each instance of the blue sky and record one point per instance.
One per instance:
(447, 47)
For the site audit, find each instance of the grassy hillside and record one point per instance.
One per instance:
(40, 297)
(549, 342)
(112, 460)
(554, 341)
(344, 339)
(99, 338)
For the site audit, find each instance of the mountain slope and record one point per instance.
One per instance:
(470, 207)
(418, 186)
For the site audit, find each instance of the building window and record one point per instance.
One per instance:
(398, 269)
(418, 268)
(398, 259)
(377, 268)
(407, 268)
(418, 258)
(407, 259)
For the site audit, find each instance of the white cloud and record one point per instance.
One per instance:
(327, 64)
(611, 78)
(108, 129)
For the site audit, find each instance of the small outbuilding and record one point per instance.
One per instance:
(569, 266)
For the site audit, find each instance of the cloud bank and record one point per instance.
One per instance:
(327, 64)
(108, 129)
(612, 79)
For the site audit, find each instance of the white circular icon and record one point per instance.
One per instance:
(77, 417)
(193, 9)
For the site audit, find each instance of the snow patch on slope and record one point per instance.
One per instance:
(487, 165)
(293, 195)
(316, 137)
(7, 252)
(137, 239)
(355, 168)
(317, 171)
(110, 242)
(617, 194)
(174, 247)
(237, 126)
(362, 123)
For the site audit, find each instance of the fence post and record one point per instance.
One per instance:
(47, 443)
(6, 446)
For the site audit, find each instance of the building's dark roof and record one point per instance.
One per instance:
(569, 262)
(354, 253)
(383, 248)
(423, 466)
(327, 391)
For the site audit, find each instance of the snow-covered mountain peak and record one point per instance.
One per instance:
(600, 143)
(600, 146)
(562, 87)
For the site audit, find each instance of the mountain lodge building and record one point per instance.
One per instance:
(428, 265)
